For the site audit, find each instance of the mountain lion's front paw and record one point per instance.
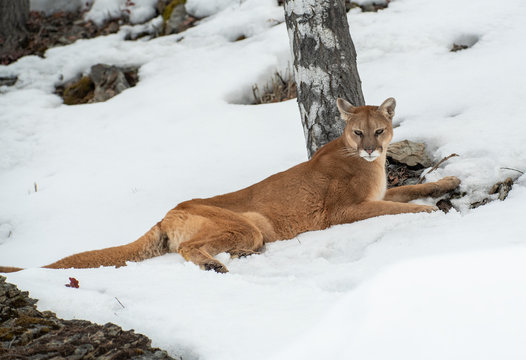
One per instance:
(428, 208)
(448, 183)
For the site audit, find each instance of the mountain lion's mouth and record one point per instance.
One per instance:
(369, 157)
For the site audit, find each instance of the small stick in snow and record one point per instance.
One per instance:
(119, 302)
(507, 168)
(436, 167)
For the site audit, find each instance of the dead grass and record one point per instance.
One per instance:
(279, 88)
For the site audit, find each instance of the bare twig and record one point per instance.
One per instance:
(436, 167)
(255, 91)
(507, 168)
(119, 302)
(278, 75)
(11, 343)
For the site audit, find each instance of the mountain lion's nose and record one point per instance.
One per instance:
(369, 150)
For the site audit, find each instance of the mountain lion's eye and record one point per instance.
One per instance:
(358, 132)
(379, 131)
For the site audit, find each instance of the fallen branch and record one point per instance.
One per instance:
(436, 167)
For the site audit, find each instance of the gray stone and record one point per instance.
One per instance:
(502, 188)
(176, 22)
(109, 81)
(8, 81)
(409, 153)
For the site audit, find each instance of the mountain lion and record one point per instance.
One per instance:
(345, 181)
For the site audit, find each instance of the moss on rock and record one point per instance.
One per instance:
(170, 7)
(79, 92)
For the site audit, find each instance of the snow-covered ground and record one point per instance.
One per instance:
(418, 286)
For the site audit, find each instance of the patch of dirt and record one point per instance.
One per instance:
(26, 333)
(399, 174)
(61, 28)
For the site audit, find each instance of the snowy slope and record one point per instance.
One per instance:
(105, 173)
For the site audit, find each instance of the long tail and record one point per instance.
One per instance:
(9, 269)
(151, 244)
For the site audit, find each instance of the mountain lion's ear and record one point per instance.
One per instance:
(345, 107)
(388, 108)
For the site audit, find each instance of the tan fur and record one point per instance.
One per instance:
(344, 182)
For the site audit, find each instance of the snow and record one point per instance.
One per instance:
(377, 317)
(138, 11)
(99, 11)
(203, 8)
(407, 286)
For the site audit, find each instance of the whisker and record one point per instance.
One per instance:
(349, 152)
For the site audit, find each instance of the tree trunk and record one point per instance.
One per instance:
(324, 66)
(13, 18)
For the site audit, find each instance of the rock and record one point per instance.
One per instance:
(502, 188)
(409, 153)
(103, 83)
(175, 17)
(8, 80)
(176, 21)
(26, 333)
(109, 81)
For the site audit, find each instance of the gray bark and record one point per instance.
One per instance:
(13, 18)
(324, 66)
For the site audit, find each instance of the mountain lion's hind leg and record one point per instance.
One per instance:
(227, 232)
(412, 192)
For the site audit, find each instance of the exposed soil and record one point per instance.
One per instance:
(61, 28)
(399, 174)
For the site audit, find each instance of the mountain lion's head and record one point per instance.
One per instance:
(369, 129)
